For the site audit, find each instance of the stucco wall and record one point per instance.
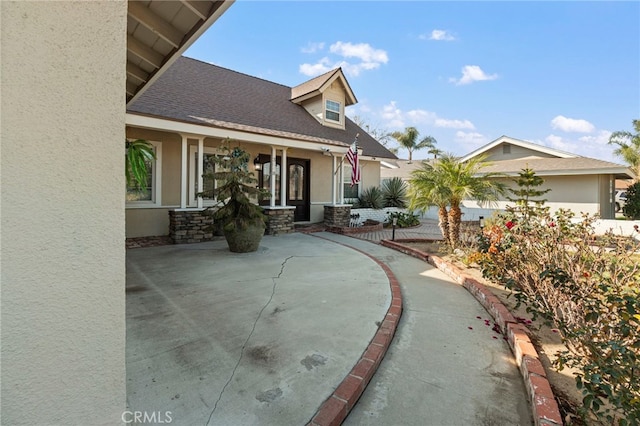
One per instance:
(63, 255)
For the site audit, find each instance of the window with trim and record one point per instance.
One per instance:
(148, 194)
(264, 177)
(332, 111)
(351, 193)
(208, 185)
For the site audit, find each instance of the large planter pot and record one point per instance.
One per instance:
(244, 240)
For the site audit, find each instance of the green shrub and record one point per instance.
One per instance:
(404, 220)
(394, 191)
(371, 198)
(631, 208)
(588, 287)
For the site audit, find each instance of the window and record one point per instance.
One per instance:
(332, 111)
(351, 193)
(150, 193)
(208, 185)
(265, 178)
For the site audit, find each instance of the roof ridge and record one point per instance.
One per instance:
(236, 72)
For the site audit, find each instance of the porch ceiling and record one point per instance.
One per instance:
(159, 31)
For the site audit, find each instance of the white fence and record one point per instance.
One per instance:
(618, 227)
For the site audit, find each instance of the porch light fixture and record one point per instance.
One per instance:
(256, 163)
(481, 222)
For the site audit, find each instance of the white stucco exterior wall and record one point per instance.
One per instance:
(62, 218)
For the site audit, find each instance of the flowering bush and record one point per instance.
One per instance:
(586, 286)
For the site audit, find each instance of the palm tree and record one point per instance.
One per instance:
(426, 189)
(409, 140)
(446, 183)
(138, 153)
(628, 147)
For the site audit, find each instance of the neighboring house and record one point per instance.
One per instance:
(577, 183)
(399, 168)
(302, 133)
(581, 184)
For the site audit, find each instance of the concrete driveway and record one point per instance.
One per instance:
(217, 338)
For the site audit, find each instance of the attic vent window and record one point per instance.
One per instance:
(506, 148)
(332, 111)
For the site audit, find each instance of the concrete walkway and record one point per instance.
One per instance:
(264, 338)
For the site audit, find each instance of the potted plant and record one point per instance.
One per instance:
(242, 221)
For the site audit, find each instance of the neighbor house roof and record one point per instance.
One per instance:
(518, 142)
(558, 166)
(196, 92)
(550, 162)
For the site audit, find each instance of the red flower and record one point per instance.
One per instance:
(552, 224)
(509, 225)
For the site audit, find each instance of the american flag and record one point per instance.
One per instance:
(352, 156)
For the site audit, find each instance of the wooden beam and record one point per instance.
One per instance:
(131, 88)
(155, 23)
(199, 8)
(137, 72)
(144, 52)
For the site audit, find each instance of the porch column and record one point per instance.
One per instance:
(283, 178)
(334, 169)
(183, 174)
(272, 177)
(200, 169)
(341, 177)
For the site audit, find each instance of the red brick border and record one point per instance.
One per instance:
(543, 403)
(335, 409)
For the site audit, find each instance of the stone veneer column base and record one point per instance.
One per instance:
(190, 226)
(337, 216)
(279, 220)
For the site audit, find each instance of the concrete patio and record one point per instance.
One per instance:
(265, 338)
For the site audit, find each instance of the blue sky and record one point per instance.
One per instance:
(563, 74)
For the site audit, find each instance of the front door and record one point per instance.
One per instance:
(298, 185)
(298, 188)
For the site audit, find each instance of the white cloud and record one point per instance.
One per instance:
(322, 66)
(362, 51)
(471, 73)
(572, 125)
(454, 124)
(440, 35)
(392, 115)
(593, 146)
(396, 118)
(356, 57)
(312, 47)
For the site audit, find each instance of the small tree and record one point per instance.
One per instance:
(528, 203)
(631, 208)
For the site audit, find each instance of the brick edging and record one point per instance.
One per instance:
(543, 402)
(335, 409)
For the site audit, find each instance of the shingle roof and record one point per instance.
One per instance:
(556, 166)
(197, 92)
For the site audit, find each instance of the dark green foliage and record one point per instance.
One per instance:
(631, 208)
(527, 196)
(234, 209)
(403, 220)
(138, 153)
(371, 198)
(395, 192)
